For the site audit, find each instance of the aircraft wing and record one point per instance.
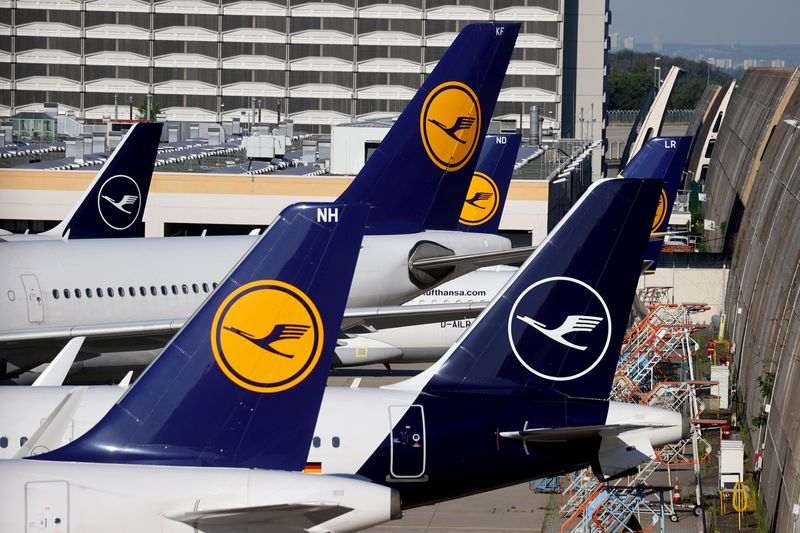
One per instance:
(292, 517)
(370, 319)
(483, 259)
(26, 348)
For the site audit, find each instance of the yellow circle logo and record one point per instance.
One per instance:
(661, 211)
(482, 201)
(267, 336)
(449, 125)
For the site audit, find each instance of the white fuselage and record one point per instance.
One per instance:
(88, 497)
(426, 342)
(110, 283)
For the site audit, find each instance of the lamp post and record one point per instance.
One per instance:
(130, 108)
(657, 72)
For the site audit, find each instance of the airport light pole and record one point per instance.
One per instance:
(657, 72)
(130, 108)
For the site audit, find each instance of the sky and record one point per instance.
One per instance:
(708, 21)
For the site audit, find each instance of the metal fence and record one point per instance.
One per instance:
(672, 116)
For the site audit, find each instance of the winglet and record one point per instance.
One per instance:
(429, 155)
(213, 398)
(486, 197)
(56, 372)
(579, 285)
(113, 204)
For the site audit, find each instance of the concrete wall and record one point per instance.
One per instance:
(758, 165)
(692, 285)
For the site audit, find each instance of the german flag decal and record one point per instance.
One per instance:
(313, 468)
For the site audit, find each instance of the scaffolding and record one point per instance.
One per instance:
(655, 369)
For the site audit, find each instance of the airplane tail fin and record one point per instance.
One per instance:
(429, 154)
(113, 204)
(486, 197)
(672, 172)
(215, 397)
(556, 328)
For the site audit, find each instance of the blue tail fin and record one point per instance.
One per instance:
(486, 197)
(643, 165)
(556, 329)
(241, 384)
(113, 204)
(429, 155)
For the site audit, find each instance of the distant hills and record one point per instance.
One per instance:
(631, 75)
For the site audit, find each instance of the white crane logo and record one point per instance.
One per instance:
(583, 333)
(128, 199)
(572, 324)
(125, 211)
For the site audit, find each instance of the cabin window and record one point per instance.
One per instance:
(132, 291)
(3, 442)
(77, 293)
(88, 292)
(316, 442)
(142, 291)
(205, 287)
(215, 285)
(99, 292)
(174, 289)
(110, 292)
(164, 290)
(66, 293)
(56, 294)
(120, 291)
(185, 288)
(195, 288)
(335, 442)
(22, 441)
(153, 290)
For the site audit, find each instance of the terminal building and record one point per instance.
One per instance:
(319, 63)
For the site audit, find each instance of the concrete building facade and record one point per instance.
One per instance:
(319, 62)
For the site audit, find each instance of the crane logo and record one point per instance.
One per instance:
(267, 336)
(449, 124)
(661, 211)
(482, 201)
(559, 328)
(119, 202)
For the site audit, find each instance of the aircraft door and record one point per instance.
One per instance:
(407, 451)
(33, 295)
(47, 507)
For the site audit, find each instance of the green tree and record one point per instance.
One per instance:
(142, 109)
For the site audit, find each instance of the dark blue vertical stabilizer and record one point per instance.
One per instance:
(113, 204)
(429, 155)
(486, 196)
(671, 170)
(241, 384)
(556, 329)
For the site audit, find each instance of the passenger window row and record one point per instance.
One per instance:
(316, 442)
(154, 290)
(4, 442)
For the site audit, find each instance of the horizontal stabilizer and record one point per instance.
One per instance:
(480, 260)
(283, 517)
(567, 433)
